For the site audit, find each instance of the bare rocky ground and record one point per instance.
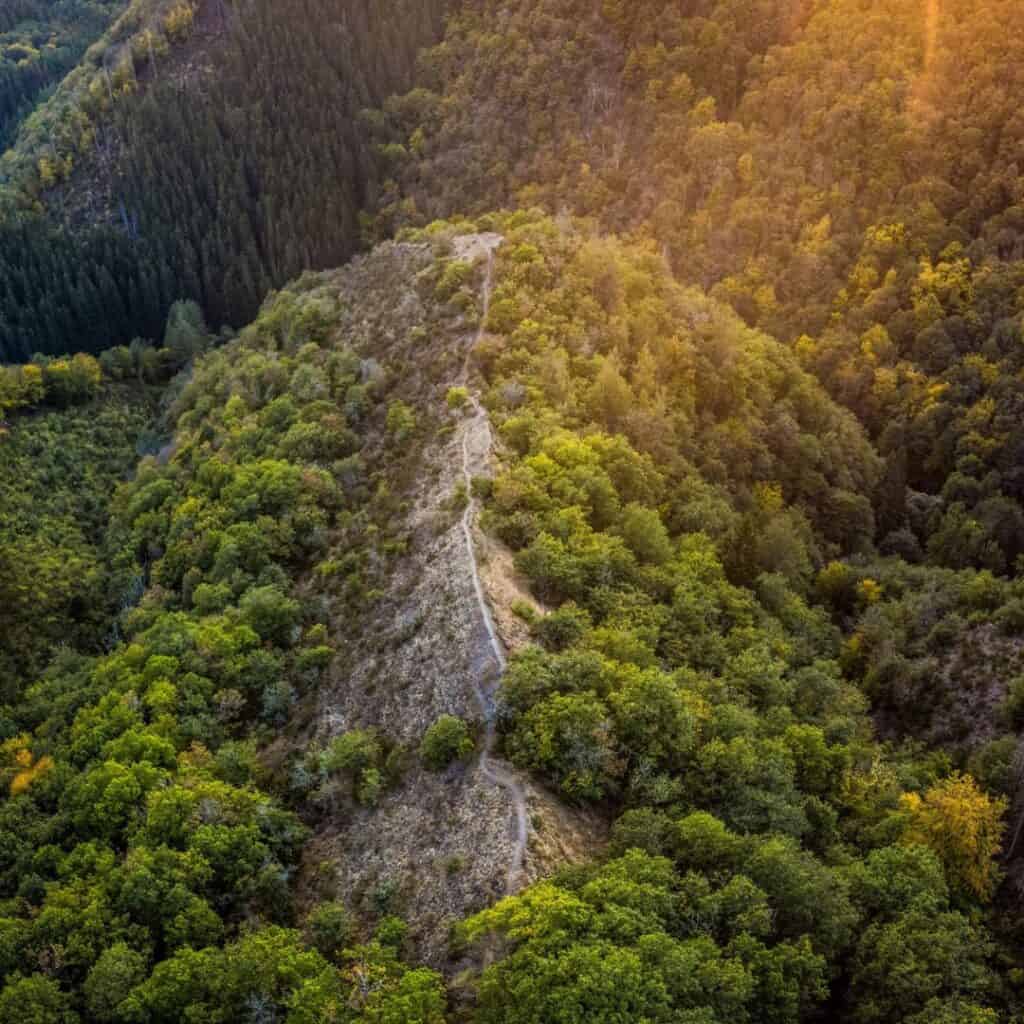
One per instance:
(439, 846)
(956, 695)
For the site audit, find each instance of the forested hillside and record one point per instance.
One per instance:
(203, 168)
(694, 678)
(678, 494)
(60, 464)
(40, 41)
(599, 601)
(846, 178)
(143, 844)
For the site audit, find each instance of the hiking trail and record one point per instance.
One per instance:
(477, 434)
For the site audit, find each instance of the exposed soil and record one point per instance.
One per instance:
(438, 846)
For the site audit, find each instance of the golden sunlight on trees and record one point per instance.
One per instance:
(964, 826)
(19, 766)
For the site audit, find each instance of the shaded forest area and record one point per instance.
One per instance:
(39, 42)
(228, 182)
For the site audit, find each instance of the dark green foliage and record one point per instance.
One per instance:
(447, 740)
(221, 190)
(57, 472)
(331, 928)
(40, 41)
(826, 169)
(142, 866)
(61, 292)
(679, 487)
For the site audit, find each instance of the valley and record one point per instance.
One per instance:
(511, 513)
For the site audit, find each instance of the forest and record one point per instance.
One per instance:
(751, 350)
(40, 42)
(194, 184)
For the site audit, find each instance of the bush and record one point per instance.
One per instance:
(1013, 704)
(562, 628)
(358, 755)
(457, 398)
(642, 828)
(401, 421)
(270, 612)
(645, 534)
(447, 740)
(482, 487)
(331, 928)
(525, 611)
(1010, 618)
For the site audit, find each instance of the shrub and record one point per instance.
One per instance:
(562, 628)
(1010, 618)
(457, 398)
(525, 611)
(270, 612)
(401, 421)
(1013, 704)
(357, 754)
(331, 928)
(447, 740)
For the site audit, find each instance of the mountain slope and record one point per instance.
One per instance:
(40, 42)
(515, 629)
(194, 165)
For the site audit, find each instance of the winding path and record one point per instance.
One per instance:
(495, 773)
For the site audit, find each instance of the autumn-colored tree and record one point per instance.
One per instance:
(964, 827)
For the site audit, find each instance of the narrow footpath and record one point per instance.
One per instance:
(477, 427)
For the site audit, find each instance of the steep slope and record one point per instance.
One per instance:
(441, 845)
(332, 717)
(62, 126)
(505, 602)
(209, 151)
(805, 162)
(437, 846)
(39, 43)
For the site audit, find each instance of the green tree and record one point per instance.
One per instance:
(570, 739)
(645, 534)
(118, 970)
(35, 1000)
(447, 740)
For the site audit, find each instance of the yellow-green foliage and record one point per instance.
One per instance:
(63, 128)
(964, 826)
(58, 468)
(178, 21)
(59, 382)
(152, 758)
(685, 674)
(805, 163)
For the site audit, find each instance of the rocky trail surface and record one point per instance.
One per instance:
(476, 444)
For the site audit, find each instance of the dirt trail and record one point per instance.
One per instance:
(477, 434)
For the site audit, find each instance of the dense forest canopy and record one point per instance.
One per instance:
(40, 41)
(58, 469)
(202, 176)
(139, 836)
(750, 340)
(846, 175)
